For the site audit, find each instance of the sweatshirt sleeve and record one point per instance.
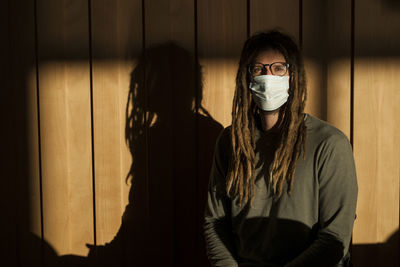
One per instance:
(337, 204)
(217, 226)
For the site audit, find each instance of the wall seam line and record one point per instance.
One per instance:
(352, 52)
(197, 127)
(39, 133)
(301, 24)
(92, 122)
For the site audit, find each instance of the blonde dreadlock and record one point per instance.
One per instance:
(241, 173)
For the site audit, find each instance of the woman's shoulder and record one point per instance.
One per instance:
(321, 128)
(320, 132)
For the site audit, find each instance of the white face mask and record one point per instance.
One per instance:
(270, 92)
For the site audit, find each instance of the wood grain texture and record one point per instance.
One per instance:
(326, 50)
(23, 139)
(338, 64)
(376, 132)
(221, 34)
(65, 125)
(315, 56)
(116, 45)
(169, 91)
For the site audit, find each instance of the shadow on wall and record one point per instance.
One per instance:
(387, 253)
(392, 4)
(45, 255)
(172, 148)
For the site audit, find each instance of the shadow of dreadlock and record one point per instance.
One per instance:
(172, 147)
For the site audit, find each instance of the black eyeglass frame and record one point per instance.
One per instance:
(264, 68)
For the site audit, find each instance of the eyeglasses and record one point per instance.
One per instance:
(276, 68)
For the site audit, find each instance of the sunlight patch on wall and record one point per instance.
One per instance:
(219, 76)
(377, 147)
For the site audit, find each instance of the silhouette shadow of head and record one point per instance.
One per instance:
(171, 145)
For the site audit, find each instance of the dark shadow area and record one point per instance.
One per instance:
(45, 256)
(172, 148)
(386, 254)
(393, 5)
(18, 246)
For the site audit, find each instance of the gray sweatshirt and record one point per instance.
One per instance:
(310, 227)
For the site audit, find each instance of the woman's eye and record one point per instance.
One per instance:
(256, 70)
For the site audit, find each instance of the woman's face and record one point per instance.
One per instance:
(269, 57)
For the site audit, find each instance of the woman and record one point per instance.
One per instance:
(283, 187)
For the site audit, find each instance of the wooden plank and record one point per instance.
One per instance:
(22, 110)
(315, 56)
(377, 132)
(117, 43)
(338, 87)
(30, 242)
(221, 35)
(326, 50)
(170, 92)
(8, 189)
(65, 125)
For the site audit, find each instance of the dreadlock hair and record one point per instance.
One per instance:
(241, 173)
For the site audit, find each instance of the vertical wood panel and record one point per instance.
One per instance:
(377, 132)
(326, 50)
(31, 250)
(315, 56)
(116, 28)
(65, 125)
(170, 90)
(22, 110)
(8, 189)
(338, 59)
(221, 34)
(117, 43)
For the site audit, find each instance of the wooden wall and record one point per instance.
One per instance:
(102, 141)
